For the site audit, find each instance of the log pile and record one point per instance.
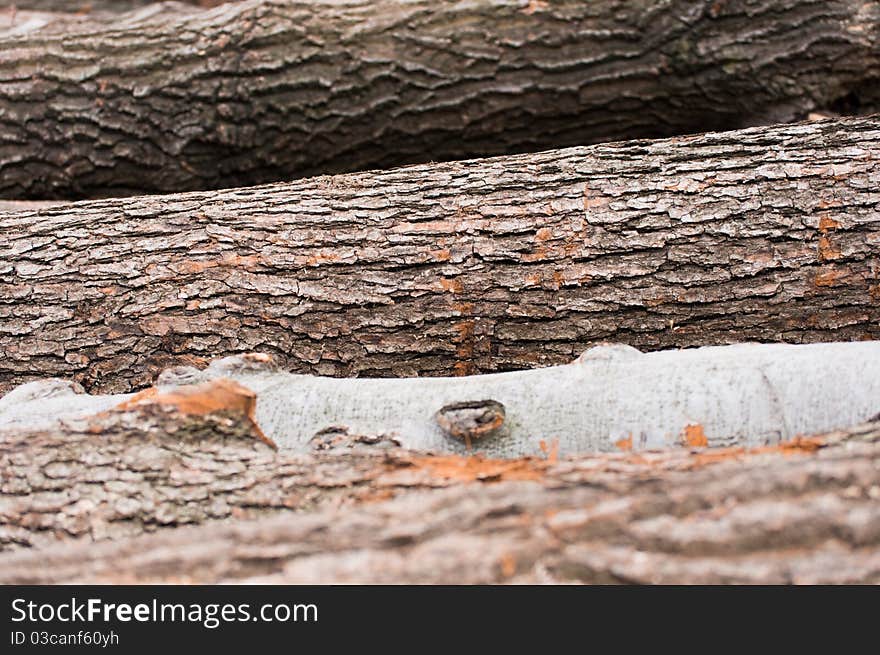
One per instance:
(656, 175)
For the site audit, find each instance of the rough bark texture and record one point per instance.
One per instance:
(258, 91)
(805, 511)
(767, 234)
(79, 16)
(91, 6)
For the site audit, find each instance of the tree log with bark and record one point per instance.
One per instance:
(88, 7)
(766, 234)
(800, 511)
(747, 463)
(613, 396)
(255, 91)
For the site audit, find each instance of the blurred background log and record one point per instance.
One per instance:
(174, 97)
(90, 6)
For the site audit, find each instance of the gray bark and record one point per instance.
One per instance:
(767, 234)
(258, 91)
(611, 397)
(803, 511)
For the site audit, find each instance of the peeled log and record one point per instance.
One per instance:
(180, 98)
(804, 511)
(612, 397)
(769, 234)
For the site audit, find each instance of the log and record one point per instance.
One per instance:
(58, 17)
(95, 6)
(803, 511)
(766, 234)
(257, 91)
(611, 397)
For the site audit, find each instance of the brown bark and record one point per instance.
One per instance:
(46, 17)
(91, 6)
(17, 205)
(805, 511)
(259, 91)
(767, 234)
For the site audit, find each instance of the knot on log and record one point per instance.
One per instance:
(40, 389)
(608, 352)
(337, 437)
(242, 364)
(178, 376)
(224, 367)
(471, 420)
